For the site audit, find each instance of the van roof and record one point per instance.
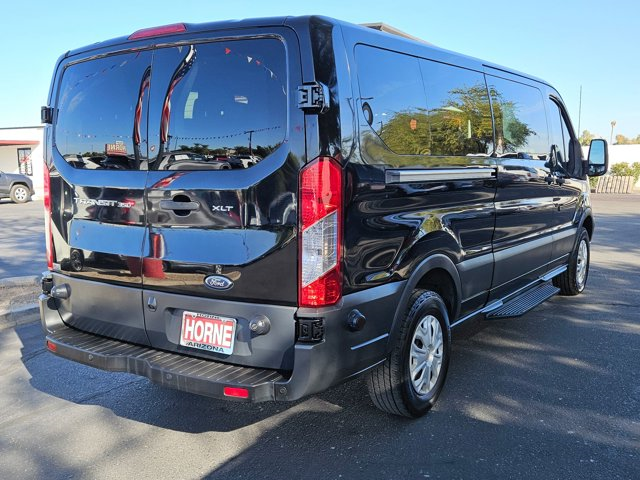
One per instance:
(385, 33)
(383, 27)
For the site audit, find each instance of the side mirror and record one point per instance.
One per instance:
(598, 160)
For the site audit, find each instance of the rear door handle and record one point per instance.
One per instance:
(172, 205)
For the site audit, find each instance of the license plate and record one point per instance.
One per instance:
(208, 332)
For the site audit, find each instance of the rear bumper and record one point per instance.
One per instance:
(172, 370)
(341, 355)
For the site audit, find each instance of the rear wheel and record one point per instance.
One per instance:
(20, 194)
(409, 382)
(573, 280)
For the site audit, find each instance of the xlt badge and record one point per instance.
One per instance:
(221, 208)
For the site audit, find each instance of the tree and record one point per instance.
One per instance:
(263, 151)
(458, 126)
(241, 150)
(586, 137)
(623, 169)
(623, 140)
(398, 135)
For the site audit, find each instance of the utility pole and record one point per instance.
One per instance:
(250, 132)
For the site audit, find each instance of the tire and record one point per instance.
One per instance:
(573, 280)
(391, 386)
(20, 194)
(76, 261)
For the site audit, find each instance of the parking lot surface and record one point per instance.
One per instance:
(553, 394)
(22, 249)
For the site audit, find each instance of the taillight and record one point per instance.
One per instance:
(47, 217)
(320, 281)
(158, 31)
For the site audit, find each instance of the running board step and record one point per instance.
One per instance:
(523, 303)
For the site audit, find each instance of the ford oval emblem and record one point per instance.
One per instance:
(218, 282)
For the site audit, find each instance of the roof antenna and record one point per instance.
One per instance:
(580, 112)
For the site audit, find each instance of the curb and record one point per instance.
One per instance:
(17, 300)
(19, 316)
(29, 280)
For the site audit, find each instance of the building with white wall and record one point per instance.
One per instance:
(619, 154)
(22, 151)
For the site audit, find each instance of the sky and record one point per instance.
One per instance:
(568, 43)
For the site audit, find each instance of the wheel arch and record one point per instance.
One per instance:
(587, 222)
(437, 273)
(16, 183)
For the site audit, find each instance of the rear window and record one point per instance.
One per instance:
(97, 125)
(211, 106)
(223, 105)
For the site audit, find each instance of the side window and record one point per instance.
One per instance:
(421, 107)
(459, 113)
(560, 141)
(392, 99)
(557, 144)
(567, 141)
(521, 124)
(101, 120)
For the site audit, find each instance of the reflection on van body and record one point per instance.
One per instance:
(354, 194)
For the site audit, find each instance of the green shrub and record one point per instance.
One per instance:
(623, 169)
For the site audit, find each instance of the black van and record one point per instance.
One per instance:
(401, 190)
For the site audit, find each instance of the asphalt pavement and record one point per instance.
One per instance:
(22, 248)
(551, 395)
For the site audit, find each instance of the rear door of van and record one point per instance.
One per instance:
(155, 217)
(97, 187)
(220, 248)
